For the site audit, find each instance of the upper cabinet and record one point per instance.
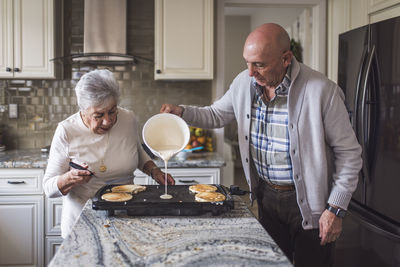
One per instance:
(345, 15)
(183, 39)
(26, 39)
(383, 9)
(379, 5)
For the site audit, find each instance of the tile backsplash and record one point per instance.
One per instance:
(44, 103)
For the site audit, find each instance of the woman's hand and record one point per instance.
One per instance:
(169, 108)
(159, 177)
(73, 178)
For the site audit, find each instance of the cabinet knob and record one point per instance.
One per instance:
(16, 69)
(8, 69)
(158, 71)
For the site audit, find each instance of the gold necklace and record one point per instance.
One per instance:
(103, 167)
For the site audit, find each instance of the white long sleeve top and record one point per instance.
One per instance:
(120, 149)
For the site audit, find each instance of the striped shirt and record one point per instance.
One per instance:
(269, 142)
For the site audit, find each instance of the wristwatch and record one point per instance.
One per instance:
(337, 211)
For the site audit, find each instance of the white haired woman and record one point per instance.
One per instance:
(102, 137)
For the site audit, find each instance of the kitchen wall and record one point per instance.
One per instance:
(44, 103)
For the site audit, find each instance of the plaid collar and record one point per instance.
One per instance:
(282, 89)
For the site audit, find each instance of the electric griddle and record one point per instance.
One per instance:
(149, 203)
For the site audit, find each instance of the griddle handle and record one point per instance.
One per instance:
(188, 181)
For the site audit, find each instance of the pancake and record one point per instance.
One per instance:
(116, 197)
(198, 188)
(128, 188)
(209, 197)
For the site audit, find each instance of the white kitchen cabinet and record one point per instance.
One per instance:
(53, 216)
(387, 13)
(184, 39)
(26, 39)
(21, 217)
(184, 176)
(52, 243)
(53, 237)
(345, 15)
(379, 5)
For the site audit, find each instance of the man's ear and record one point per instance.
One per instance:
(287, 58)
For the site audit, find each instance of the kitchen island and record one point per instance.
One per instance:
(36, 236)
(234, 238)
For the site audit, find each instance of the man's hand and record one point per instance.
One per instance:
(169, 108)
(159, 177)
(330, 227)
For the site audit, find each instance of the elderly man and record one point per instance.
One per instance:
(299, 152)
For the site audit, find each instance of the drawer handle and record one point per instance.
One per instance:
(188, 181)
(16, 182)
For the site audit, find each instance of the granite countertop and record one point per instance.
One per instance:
(234, 238)
(23, 158)
(34, 158)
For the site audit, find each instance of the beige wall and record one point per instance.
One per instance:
(43, 103)
(236, 31)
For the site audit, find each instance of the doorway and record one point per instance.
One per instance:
(305, 21)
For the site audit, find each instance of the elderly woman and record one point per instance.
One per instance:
(102, 137)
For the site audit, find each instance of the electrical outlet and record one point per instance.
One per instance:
(13, 111)
(3, 108)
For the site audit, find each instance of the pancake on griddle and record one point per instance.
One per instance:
(209, 197)
(116, 197)
(198, 188)
(129, 188)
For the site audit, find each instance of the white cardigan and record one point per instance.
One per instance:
(73, 141)
(324, 150)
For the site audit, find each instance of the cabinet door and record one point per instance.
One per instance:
(183, 39)
(184, 176)
(51, 247)
(53, 216)
(141, 178)
(6, 44)
(196, 175)
(21, 181)
(33, 39)
(377, 5)
(21, 231)
(190, 176)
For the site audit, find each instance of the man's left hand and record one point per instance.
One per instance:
(330, 227)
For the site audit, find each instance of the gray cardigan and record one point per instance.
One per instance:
(325, 153)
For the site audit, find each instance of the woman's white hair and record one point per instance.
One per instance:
(96, 88)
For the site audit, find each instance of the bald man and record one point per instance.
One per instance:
(299, 152)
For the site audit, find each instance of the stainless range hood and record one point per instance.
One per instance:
(104, 33)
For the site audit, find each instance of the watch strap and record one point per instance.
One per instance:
(337, 211)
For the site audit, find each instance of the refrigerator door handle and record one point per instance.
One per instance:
(365, 167)
(360, 82)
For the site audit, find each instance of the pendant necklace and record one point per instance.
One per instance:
(103, 167)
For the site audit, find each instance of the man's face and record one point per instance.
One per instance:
(267, 67)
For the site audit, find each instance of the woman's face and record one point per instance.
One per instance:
(100, 119)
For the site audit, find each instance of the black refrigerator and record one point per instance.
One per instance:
(369, 74)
